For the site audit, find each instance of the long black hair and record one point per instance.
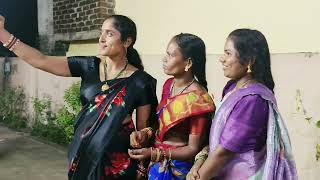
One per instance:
(252, 45)
(128, 29)
(194, 48)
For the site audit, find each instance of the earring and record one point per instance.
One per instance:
(249, 69)
(186, 69)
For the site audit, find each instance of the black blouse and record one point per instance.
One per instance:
(87, 67)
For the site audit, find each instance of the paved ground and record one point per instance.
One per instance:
(25, 158)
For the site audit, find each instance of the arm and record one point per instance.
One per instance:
(198, 162)
(52, 64)
(196, 139)
(143, 114)
(243, 132)
(184, 153)
(215, 162)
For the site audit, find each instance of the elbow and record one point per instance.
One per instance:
(224, 154)
(39, 64)
(194, 150)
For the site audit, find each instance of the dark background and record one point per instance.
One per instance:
(21, 21)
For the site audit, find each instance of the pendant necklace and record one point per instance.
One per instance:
(105, 86)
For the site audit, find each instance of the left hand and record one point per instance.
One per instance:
(140, 154)
(193, 173)
(140, 177)
(138, 139)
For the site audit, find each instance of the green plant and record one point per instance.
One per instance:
(12, 108)
(42, 108)
(301, 109)
(57, 127)
(67, 114)
(45, 125)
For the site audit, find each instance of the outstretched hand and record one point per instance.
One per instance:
(2, 20)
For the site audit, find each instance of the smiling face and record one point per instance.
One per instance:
(232, 67)
(110, 43)
(174, 63)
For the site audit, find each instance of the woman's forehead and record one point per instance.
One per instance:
(108, 24)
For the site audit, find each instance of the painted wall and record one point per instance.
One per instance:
(289, 25)
(38, 84)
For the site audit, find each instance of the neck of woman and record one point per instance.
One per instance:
(115, 63)
(182, 81)
(244, 79)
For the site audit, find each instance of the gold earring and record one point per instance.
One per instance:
(249, 69)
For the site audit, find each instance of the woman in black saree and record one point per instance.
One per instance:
(113, 86)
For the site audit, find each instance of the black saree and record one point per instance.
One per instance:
(101, 141)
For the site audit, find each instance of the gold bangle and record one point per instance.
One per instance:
(158, 155)
(203, 154)
(151, 155)
(149, 131)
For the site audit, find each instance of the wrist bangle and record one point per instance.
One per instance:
(7, 43)
(14, 45)
(149, 131)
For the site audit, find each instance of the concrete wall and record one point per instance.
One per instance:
(37, 83)
(289, 25)
(45, 25)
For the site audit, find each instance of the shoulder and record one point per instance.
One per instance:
(142, 78)
(253, 100)
(83, 58)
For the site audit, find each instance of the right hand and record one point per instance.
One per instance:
(2, 20)
(193, 173)
(140, 154)
(138, 139)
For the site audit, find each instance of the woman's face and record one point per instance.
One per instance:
(174, 63)
(110, 43)
(231, 65)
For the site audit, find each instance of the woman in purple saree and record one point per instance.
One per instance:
(248, 138)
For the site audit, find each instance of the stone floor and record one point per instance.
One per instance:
(26, 158)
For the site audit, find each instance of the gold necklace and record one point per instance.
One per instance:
(106, 86)
(239, 86)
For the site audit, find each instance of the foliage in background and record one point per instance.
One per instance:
(57, 127)
(67, 114)
(309, 119)
(45, 125)
(12, 108)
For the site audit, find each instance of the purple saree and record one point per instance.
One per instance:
(274, 159)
